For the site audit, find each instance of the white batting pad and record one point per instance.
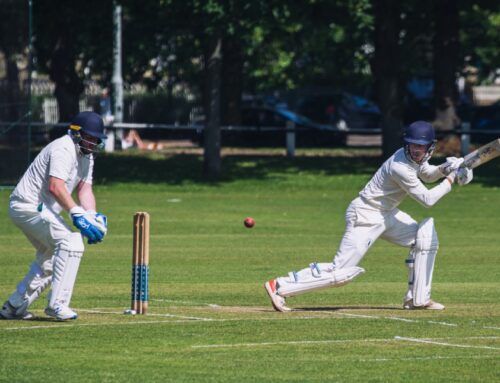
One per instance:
(424, 252)
(410, 263)
(66, 263)
(316, 276)
(32, 285)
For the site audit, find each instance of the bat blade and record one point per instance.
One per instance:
(482, 155)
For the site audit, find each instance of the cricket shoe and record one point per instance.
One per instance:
(15, 313)
(61, 313)
(431, 305)
(278, 302)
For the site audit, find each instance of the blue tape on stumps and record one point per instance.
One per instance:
(144, 282)
(136, 278)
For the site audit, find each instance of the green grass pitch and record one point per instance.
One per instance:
(210, 319)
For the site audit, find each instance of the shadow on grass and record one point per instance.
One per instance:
(47, 320)
(323, 308)
(177, 169)
(188, 168)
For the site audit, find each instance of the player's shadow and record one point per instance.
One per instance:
(337, 308)
(47, 320)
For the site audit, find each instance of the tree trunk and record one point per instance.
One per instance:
(68, 86)
(446, 46)
(212, 141)
(232, 67)
(14, 110)
(13, 89)
(387, 73)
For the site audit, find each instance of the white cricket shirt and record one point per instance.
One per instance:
(399, 177)
(58, 159)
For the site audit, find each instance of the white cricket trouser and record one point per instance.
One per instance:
(364, 224)
(46, 231)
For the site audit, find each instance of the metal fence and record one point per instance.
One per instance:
(15, 153)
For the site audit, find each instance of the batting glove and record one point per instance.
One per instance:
(87, 225)
(464, 176)
(451, 164)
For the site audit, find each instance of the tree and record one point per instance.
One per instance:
(387, 72)
(212, 158)
(70, 39)
(446, 54)
(479, 22)
(13, 42)
(69, 86)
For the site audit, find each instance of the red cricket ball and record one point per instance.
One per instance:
(249, 222)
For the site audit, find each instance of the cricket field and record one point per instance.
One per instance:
(209, 318)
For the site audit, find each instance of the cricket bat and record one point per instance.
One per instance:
(482, 155)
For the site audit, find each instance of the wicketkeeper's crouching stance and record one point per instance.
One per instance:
(35, 206)
(374, 214)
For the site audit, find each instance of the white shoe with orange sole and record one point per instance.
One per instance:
(278, 301)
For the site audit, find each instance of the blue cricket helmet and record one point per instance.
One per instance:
(89, 123)
(420, 132)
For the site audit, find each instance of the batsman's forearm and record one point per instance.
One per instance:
(57, 188)
(430, 173)
(86, 196)
(429, 197)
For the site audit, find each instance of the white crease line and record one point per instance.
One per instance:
(185, 302)
(443, 323)
(358, 315)
(437, 357)
(205, 320)
(464, 337)
(307, 342)
(402, 319)
(298, 342)
(213, 305)
(94, 311)
(149, 314)
(492, 328)
(70, 325)
(427, 341)
(395, 318)
(268, 319)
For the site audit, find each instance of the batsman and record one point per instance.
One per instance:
(374, 213)
(36, 204)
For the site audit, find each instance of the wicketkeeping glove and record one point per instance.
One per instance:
(451, 164)
(102, 223)
(87, 225)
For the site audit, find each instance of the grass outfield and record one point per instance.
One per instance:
(210, 319)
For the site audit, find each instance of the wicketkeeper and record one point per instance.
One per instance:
(43, 193)
(374, 214)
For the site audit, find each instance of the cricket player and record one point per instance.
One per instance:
(374, 214)
(45, 190)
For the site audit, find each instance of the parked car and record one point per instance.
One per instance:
(485, 118)
(342, 110)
